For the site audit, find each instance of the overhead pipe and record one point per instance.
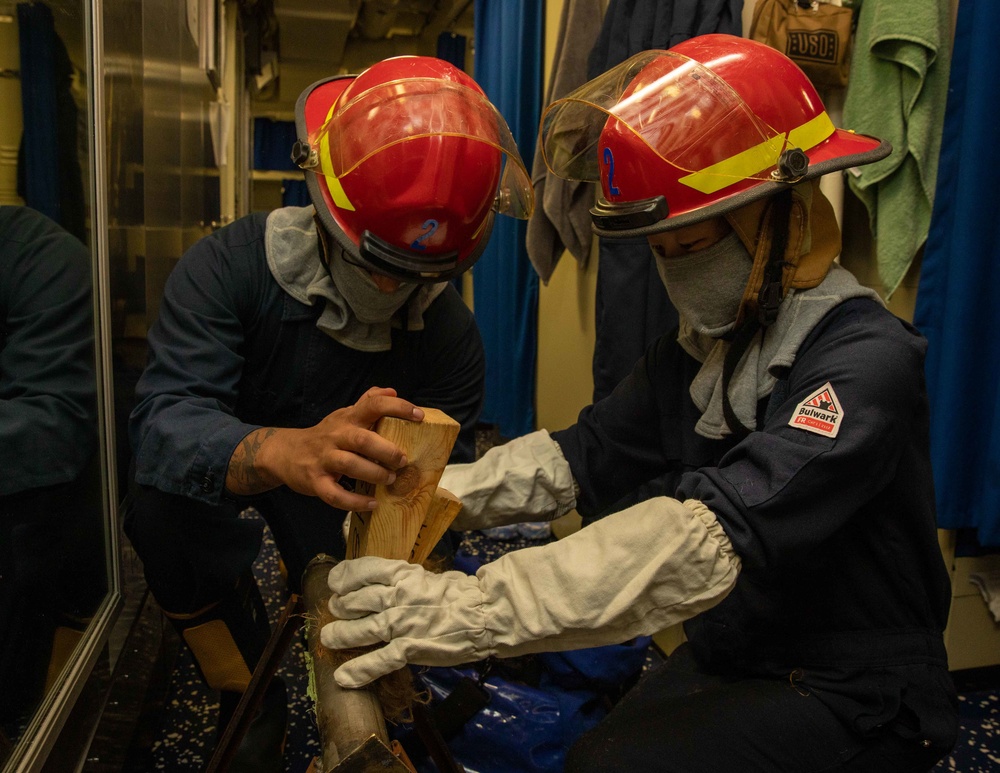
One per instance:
(445, 14)
(376, 18)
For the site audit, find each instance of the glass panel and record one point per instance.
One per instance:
(53, 555)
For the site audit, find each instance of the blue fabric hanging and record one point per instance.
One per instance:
(508, 66)
(272, 144)
(958, 296)
(294, 193)
(36, 35)
(49, 175)
(451, 48)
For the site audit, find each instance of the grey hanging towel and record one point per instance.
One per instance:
(561, 220)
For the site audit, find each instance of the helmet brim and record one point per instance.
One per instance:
(841, 150)
(311, 111)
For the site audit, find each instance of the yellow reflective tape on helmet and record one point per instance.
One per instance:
(812, 132)
(337, 191)
(754, 160)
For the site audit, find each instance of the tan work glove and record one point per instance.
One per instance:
(633, 573)
(527, 479)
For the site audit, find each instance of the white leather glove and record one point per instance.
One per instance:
(527, 479)
(633, 573)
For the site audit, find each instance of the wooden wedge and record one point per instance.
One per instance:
(392, 528)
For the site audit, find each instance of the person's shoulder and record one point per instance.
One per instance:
(863, 330)
(21, 223)
(243, 232)
(26, 236)
(24, 225)
(235, 245)
(449, 305)
(449, 320)
(872, 317)
(229, 260)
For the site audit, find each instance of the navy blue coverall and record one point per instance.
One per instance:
(231, 351)
(52, 561)
(836, 619)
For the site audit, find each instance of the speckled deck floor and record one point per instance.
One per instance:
(188, 724)
(187, 735)
(188, 727)
(191, 709)
(978, 746)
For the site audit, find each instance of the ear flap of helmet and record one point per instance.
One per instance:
(813, 241)
(824, 242)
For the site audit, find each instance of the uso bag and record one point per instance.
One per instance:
(815, 35)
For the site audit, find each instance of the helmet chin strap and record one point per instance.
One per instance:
(324, 246)
(768, 302)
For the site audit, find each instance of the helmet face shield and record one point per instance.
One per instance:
(681, 111)
(413, 108)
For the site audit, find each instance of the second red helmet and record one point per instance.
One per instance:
(701, 129)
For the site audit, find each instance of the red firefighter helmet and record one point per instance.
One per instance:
(680, 136)
(406, 164)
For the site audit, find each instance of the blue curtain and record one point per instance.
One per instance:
(272, 144)
(508, 66)
(36, 34)
(958, 297)
(272, 149)
(294, 193)
(451, 48)
(49, 174)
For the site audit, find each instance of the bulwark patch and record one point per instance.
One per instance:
(820, 412)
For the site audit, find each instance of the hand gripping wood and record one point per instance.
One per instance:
(412, 514)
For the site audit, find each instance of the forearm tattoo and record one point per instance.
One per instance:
(244, 477)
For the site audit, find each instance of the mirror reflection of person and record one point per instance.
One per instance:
(51, 535)
(787, 417)
(283, 337)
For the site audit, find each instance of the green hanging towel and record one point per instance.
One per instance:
(897, 91)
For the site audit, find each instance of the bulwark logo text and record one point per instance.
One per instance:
(820, 412)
